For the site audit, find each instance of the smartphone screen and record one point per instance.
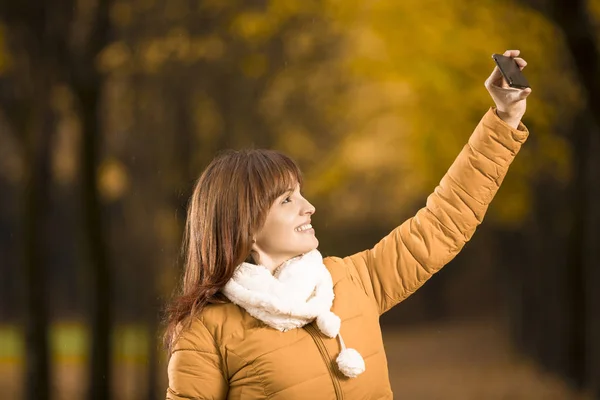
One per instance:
(511, 71)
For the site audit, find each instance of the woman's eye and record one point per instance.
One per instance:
(287, 199)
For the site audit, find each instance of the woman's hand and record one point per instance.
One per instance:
(510, 102)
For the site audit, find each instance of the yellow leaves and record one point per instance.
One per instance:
(115, 56)
(273, 101)
(254, 65)
(380, 132)
(391, 105)
(154, 55)
(299, 45)
(367, 44)
(441, 52)
(284, 9)
(179, 46)
(254, 27)
(210, 48)
(113, 180)
(369, 99)
(326, 182)
(65, 151)
(178, 43)
(380, 149)
(176, 46)
(297, 142)
(280, 11)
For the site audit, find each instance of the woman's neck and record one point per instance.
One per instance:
(271, 263)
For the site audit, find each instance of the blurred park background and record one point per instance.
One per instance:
(110, 109)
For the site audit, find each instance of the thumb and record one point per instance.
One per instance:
(524, 93)
(494, 79)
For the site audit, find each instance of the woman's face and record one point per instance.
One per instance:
(287, 231)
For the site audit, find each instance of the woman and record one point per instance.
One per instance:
(263, 315)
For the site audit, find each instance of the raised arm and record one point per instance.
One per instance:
(402, 261)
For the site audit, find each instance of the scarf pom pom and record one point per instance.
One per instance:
(329, 324)
(351, 363)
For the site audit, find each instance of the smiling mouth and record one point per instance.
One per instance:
(304, 228)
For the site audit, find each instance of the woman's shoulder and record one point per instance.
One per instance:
(212, 326)
(340, 268)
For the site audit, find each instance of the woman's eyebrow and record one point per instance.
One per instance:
(288, 192)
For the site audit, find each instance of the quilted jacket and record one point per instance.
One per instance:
(227, 354)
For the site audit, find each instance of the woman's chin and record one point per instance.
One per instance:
(306, 246)
(308, 249)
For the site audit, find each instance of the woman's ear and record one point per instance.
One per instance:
(254, 252)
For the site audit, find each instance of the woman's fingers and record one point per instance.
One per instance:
(512, 53)
(520, 62)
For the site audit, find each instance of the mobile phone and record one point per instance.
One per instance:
(511, 71)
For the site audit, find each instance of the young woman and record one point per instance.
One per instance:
(263, 315)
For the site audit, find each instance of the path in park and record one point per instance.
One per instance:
(458, 360)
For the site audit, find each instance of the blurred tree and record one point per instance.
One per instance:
(578, 343)
(37, 43)
(576, 21)
(87, 83)
(59, 42)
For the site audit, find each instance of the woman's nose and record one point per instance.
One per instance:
(310, 209)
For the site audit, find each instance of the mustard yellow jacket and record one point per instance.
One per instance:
(227, 354)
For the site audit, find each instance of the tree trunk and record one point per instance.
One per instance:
(86, 82)
(593, 266)
(100, 368)
(575, 368)
(36, 199)
(518, 276)
(575, 21)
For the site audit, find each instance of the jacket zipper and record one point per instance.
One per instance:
(325, 354)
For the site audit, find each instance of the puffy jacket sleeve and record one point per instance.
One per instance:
(196, 368)
(402, 261)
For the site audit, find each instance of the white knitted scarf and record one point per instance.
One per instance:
(299, 291)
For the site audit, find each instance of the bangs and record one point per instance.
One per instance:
(273, 174)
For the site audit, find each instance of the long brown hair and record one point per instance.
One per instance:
(229, 205)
